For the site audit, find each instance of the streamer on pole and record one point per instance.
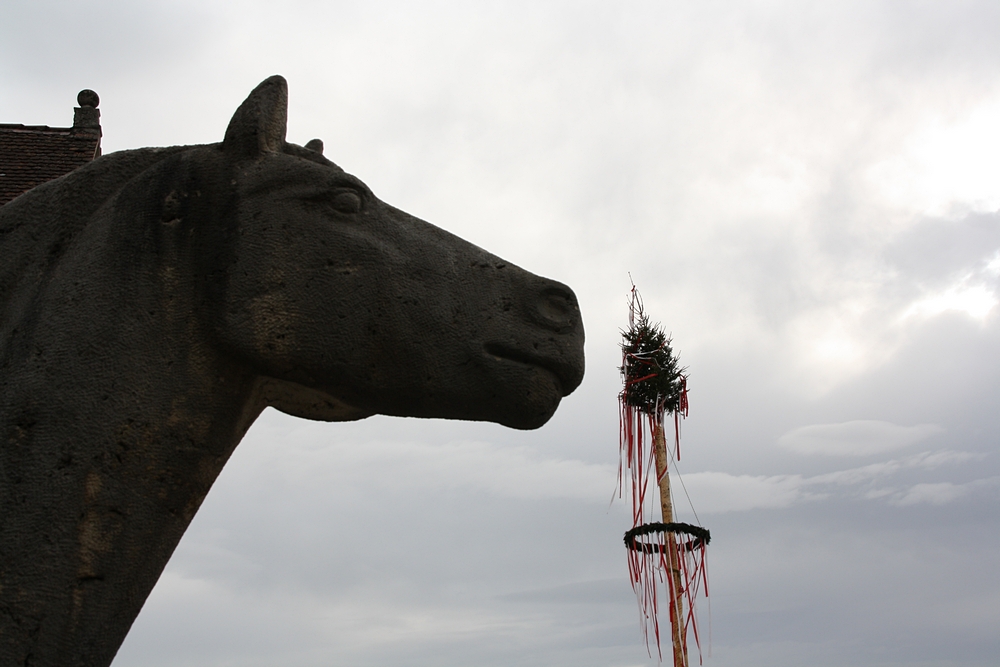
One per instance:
(661, 554)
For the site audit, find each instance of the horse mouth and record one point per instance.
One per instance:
(567, 378)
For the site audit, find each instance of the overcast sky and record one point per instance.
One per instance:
(805, 193)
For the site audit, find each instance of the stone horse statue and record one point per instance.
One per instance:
(155, 301)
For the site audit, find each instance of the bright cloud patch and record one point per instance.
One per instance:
(716, 492)
(506, 471)
(946, 166)
(855, 438)
(514, 472)
(977, 300)
(942, 493)
(382, 467)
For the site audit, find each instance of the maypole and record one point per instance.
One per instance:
(661, 553)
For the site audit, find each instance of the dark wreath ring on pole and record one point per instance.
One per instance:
(700, 537)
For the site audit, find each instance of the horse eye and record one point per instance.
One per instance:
(347, 201)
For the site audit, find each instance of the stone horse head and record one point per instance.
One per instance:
(154, 302)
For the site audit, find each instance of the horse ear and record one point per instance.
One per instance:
(315, 145)
(259, 125)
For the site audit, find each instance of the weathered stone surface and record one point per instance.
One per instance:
(154, 302)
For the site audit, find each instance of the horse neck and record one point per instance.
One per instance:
(118, 313)
(117, 415)
(37, 226)
(125, 339)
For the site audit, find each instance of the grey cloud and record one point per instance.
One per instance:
(935, 251)
(62, 41)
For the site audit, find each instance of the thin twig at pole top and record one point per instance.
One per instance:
(663, 553)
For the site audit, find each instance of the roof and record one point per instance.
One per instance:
(33, 154)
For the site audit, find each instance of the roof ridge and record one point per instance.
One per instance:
(33, 128)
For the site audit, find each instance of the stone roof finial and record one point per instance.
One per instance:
(86, 117)
(88, 98)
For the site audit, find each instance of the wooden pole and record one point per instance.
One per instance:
(666, 506)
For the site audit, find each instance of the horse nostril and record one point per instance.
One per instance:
(558, 308)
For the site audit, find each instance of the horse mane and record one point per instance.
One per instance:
(37, 227)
